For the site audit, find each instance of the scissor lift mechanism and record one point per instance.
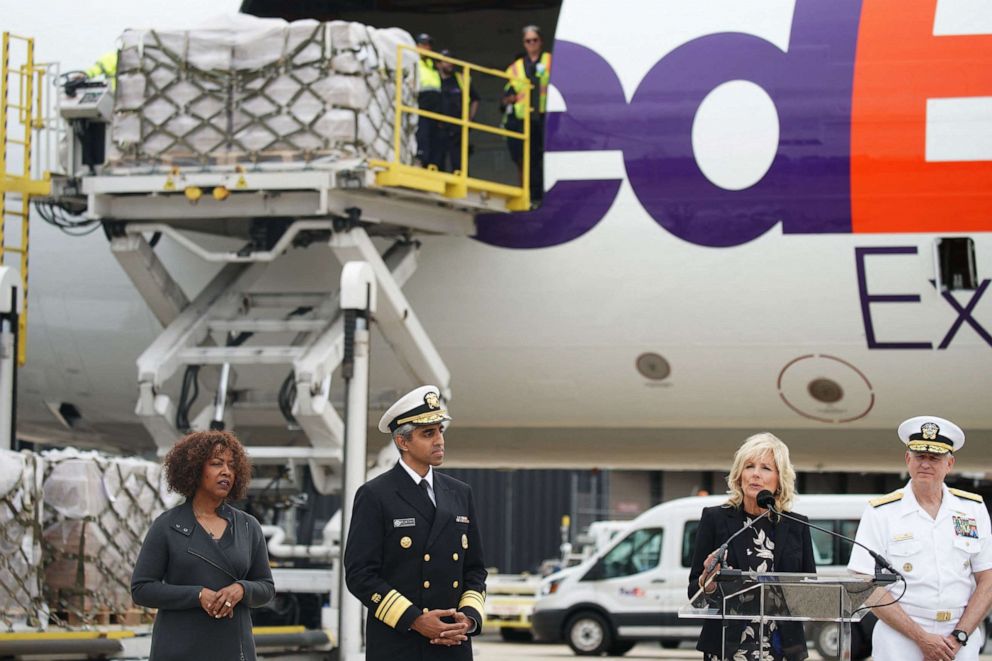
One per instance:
(319, 345)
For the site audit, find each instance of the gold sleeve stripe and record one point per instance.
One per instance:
(392, 615)
(384, 604)
(473, 599)
(391, 608)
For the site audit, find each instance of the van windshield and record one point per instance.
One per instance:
(636, 553)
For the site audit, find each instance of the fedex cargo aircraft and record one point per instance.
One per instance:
(760, 215)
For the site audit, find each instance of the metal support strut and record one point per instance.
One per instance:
(358, 300)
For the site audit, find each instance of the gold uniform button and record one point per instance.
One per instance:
(455, 584)
(907, 567)
(406, 542)
(427, 557)
(427, 584)
(454, 556)
(464, 541)
(425, 610)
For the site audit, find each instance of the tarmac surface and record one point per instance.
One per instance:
(491, 648)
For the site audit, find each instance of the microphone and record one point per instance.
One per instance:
(767, 500)
(722, 550)
(723, 547)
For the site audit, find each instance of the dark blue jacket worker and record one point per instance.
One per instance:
(414, 553)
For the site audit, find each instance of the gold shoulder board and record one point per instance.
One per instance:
(967, 495)
(886, 499)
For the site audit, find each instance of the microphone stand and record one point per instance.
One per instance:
(880, 561)
(722, 552)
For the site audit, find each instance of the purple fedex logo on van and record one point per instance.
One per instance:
(833, 168)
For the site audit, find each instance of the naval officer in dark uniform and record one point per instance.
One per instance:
(414, 553)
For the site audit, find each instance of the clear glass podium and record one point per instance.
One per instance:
(754, 605)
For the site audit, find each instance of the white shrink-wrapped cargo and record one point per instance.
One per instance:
(97, 511)
(247, 91)
(21, 605)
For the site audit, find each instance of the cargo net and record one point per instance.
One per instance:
(21, 603)
(259, 92)
(96, 512)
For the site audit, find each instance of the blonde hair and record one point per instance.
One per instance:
(753, 448)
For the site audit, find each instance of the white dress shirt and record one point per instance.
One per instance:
(416, 478)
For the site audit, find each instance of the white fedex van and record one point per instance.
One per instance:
(631, 590)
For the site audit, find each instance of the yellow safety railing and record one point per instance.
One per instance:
(454, 184)
(17, 188)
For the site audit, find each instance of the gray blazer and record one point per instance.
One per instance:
(177, 559)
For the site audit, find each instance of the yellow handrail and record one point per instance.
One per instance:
(19, 183)
(458, 184)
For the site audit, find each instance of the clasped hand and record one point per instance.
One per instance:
(221, 603)
(429, 625)
(938, 648)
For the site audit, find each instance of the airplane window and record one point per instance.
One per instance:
(638, 552)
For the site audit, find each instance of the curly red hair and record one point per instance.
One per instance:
(184, 462)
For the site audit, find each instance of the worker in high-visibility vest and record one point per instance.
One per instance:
(428, 98)
(535, 66)
(452, 95)
(106, 66)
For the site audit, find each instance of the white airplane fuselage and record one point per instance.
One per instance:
(742, 201)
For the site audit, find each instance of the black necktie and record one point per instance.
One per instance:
(427, 494)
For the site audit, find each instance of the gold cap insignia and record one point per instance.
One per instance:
(376, 598)
(464, 541)
(929, 431)
(406, 542)
(432, 400)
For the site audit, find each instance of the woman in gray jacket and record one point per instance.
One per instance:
(203, 564)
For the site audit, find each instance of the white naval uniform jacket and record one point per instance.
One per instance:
(937, 556)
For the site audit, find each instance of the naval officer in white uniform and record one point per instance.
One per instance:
(941, 542)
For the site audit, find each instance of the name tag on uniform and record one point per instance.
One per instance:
(965, 526)
(903, 537)
(461, 519)
(404, 523)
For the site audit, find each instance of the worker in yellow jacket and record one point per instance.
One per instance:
(534, 66)
(106, 66)
(428, 98)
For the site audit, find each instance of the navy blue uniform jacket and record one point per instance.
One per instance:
(401, 559)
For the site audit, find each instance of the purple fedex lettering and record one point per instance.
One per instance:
(867, 299)
(965, 315)
(595, 102)
(807, 187)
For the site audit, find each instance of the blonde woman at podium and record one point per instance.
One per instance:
(771, 544)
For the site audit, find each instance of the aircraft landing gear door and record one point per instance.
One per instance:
(631, 579)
